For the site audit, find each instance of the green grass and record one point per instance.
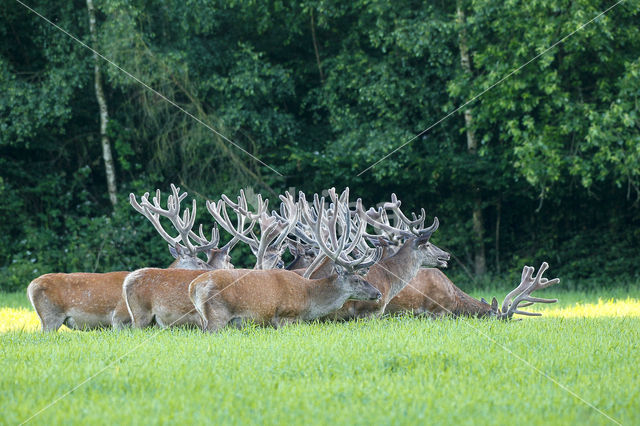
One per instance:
(384, 371)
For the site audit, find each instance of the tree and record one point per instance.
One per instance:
(104, 113)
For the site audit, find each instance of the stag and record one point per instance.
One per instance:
(390, 275)
(278, 297)
(161, 295)
(93, 300)
(432, 293)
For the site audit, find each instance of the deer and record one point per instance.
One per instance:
(432, 293)
(94, 300)
(279, 297)
(391, 274)
(162, 296)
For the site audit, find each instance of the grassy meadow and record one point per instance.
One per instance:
(400, 370)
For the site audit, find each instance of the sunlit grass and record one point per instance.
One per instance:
(382, 371)
(12, 319)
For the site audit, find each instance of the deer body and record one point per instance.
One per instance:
(87, 300)
(79, 300)
(390, 275)
(160, 295)
(274, 297)
(432, 292)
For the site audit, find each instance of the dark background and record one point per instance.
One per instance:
(554, 174)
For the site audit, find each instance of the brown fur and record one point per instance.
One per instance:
(79, 300)
(431, 292)
(389, 276)
(274, 297)
(160, 295)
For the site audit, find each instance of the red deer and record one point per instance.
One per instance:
(431, 292)
(278, 297)
(390, 275)
(162, 296)
(93, 300)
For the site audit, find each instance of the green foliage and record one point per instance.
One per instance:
(557, 168)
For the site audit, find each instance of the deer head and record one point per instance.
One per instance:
(324, 225)
(303, 253)
(411, 230)
(521, 295)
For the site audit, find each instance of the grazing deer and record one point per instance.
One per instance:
(278, 297)
(93, 300)
(431, 292)
(162, 295)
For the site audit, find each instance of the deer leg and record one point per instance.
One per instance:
(51, 316)
(140, 317)
(279, 322)
(52, 321)
(216, 317)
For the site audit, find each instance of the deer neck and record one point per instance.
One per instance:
(325, 269)
(399, 268)
(468, 306)
(325, 296)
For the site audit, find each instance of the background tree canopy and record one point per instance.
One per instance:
(320, 90)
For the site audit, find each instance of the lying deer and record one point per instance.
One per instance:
(93, 300)
(431, 292)
(278, 297)
(390, 275)
(162, 295)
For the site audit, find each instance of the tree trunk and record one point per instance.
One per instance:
(104, 114)
(315, 47)
(480, 260)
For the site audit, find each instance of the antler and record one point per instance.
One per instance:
(219, 212)
(183, 225)
(323, 223)
(407, 229)
(273, 229)
(522, 293)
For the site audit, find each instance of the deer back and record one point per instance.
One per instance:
(81, 299)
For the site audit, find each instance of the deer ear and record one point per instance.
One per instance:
(483, 301)
(494, 304)
(173, 252)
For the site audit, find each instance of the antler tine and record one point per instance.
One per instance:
(369, 258)
(268, 232)
(528, 285)
(219, 212)
(525, 281)
(290, 217)
(415, 226)
(153, 218)
(315, 228)
(201, 240)
(376, 220)
(184, 225)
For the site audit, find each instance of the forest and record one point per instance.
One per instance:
(543, 163)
